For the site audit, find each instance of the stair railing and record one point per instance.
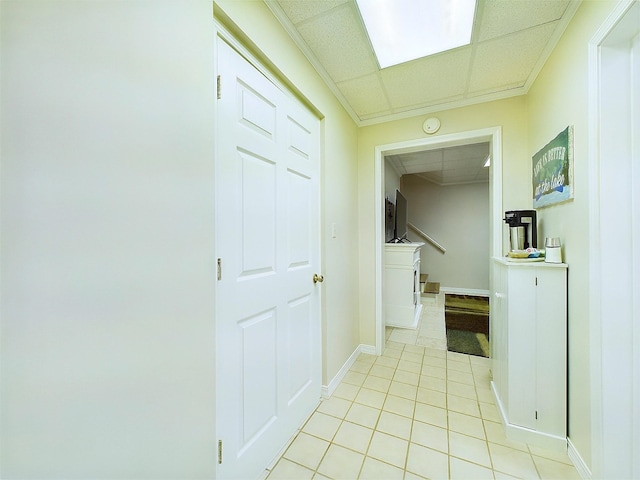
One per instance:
(427, 238)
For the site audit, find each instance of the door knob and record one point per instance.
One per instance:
(317, 278)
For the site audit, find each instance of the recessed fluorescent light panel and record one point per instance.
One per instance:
(403, 30)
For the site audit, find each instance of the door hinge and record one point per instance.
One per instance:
(536, 281)
(219, 88)
(219, 452)
(536, 414)
(219, 269)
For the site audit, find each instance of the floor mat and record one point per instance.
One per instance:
(471, 343)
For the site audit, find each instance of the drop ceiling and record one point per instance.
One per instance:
(511, 40)
(445, 166)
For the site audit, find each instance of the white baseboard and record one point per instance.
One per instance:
(578, 462)
(368, 349)
(327, 390)
(553, 443)
(465, 291)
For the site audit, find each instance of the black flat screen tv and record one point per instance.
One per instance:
(389, 220)
(401, 219)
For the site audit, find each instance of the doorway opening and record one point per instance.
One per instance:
(490, 135)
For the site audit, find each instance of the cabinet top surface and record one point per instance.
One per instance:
(406, 246)
(533, 264)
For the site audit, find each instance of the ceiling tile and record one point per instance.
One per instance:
(476, 150)
(433, 177)
(445, 166)
(418, 169)
(338, 40)
(300, 10)
(450, 180)
(428, 156)
(462, 172)
(462, 164)
(396, 164)
(502, 17)
(508, 43)
(365, 95)
(508, 61)
(422, 81)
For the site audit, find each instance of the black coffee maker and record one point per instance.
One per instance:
(523, 232)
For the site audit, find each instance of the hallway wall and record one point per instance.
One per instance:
(510, 114)
(107, 259)
(338, 171)
(457, 217)
(560, 97)
(107, 335)
(107, 216)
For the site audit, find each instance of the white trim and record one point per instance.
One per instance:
(517, 433)
(494, 136)
(288, 26)
(465, 291)
(553, 443)
(595, 347)
(577, 460)
(226, 30)
(635, 173)
(224, 34)
(441, 107)
(327, 390)
(475, 99)
(599, 463)
(572, 8)
(368, 349)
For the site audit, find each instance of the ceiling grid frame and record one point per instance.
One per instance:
(497, 22)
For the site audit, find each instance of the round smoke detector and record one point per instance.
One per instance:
(431, 125)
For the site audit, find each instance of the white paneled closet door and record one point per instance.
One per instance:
(268, 348)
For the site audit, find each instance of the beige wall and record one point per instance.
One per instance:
(153, 120)
(457, 217)
(558, 98)
(107, 233)
(339, 178)
(509, 113)
(108, 228)
(391, 182)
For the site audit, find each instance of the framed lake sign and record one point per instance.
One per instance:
(553, 171)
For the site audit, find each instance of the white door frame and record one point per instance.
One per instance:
(492, 135)
(614, 231)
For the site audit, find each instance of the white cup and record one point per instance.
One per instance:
(553, 252)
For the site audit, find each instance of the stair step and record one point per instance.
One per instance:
(423, 277)
(432, 287)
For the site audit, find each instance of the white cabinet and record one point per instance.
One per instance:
(529, 350)
(402, 305)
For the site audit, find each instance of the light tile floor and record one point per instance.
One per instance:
(416, 412)
(431, 331)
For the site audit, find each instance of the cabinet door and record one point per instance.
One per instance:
(521, 298)
(416, 280)
(551, 350)
(399, 286)
(499, 341)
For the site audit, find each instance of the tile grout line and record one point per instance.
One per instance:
(476, 377)
(376, 429)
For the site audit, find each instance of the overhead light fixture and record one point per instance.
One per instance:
(487, 162)
(403, 30)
